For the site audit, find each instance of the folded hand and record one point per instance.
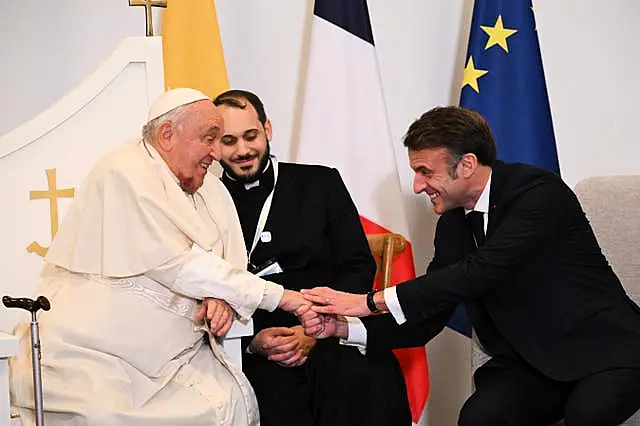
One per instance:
(288, 347)
(218, 315)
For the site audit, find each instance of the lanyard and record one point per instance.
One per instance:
(264, 213)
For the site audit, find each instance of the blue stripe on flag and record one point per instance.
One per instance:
(350, 15)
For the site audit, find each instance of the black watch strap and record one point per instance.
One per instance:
(370, 303)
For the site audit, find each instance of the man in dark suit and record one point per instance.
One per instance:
(513, 245)
(302, 229)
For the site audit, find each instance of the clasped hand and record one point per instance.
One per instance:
(217, 314)
(317, 309)
(287, 346)
(325, 317)
(290, 347)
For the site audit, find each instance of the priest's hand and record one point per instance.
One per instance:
(292, 301)
(286, 346)
(218, 315)
(329, 301)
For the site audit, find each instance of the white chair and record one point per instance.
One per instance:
(612, 204)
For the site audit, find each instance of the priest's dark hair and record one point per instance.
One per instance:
(235, 98)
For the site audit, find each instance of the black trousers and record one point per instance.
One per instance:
(511, 393)
(337, 386)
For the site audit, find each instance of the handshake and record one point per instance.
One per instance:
(321, 310)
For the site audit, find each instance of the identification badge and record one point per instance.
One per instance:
(274, 268)
(265, 237)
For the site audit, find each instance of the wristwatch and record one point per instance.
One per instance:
(370, 303)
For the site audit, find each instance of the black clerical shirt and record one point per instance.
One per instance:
(249, 199)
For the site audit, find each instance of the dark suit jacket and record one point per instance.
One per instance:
(539, 288)
(316, 235)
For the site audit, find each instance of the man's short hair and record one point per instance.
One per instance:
(458, 130)
(235, 97)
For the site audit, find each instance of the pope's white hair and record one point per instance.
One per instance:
(175, 116)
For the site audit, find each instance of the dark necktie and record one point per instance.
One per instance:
(476, 222)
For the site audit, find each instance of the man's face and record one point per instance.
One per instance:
(434, 177)
(244, 145)
(194, 144)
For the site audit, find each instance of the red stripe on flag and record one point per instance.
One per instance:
(413, 361)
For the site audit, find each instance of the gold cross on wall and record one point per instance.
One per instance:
(148, 4)
(52, 193)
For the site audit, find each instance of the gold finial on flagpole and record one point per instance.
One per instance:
(148, 4)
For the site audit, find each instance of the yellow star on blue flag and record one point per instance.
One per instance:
(498, 34)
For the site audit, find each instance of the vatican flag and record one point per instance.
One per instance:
(192, 48)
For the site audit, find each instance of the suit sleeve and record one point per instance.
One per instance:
(353, 262)
(383, 333)
(535, 217)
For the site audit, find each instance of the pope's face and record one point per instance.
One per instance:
(195, 144)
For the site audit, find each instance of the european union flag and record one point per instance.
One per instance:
(504, 81)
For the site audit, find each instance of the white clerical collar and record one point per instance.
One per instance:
(253, 184)
(482, 205)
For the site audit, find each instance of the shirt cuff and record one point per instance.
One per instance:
(393, 304)
(357, 335)
(271, 297)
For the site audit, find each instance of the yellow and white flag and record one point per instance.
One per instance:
(192, 48)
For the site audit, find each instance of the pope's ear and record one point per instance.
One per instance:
(165, 136)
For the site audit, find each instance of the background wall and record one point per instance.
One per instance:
(588, 46)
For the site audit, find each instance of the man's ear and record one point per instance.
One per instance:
(469, 164)
(267, 129)
(165, 136)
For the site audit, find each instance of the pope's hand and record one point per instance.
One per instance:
(292, 301)
(218, 314)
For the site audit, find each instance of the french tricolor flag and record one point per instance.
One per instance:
(344, 125)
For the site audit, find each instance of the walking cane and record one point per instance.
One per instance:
(33, 306)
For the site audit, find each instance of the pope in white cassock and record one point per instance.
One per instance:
(147, 239)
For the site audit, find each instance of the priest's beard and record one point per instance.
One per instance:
(264, 160)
